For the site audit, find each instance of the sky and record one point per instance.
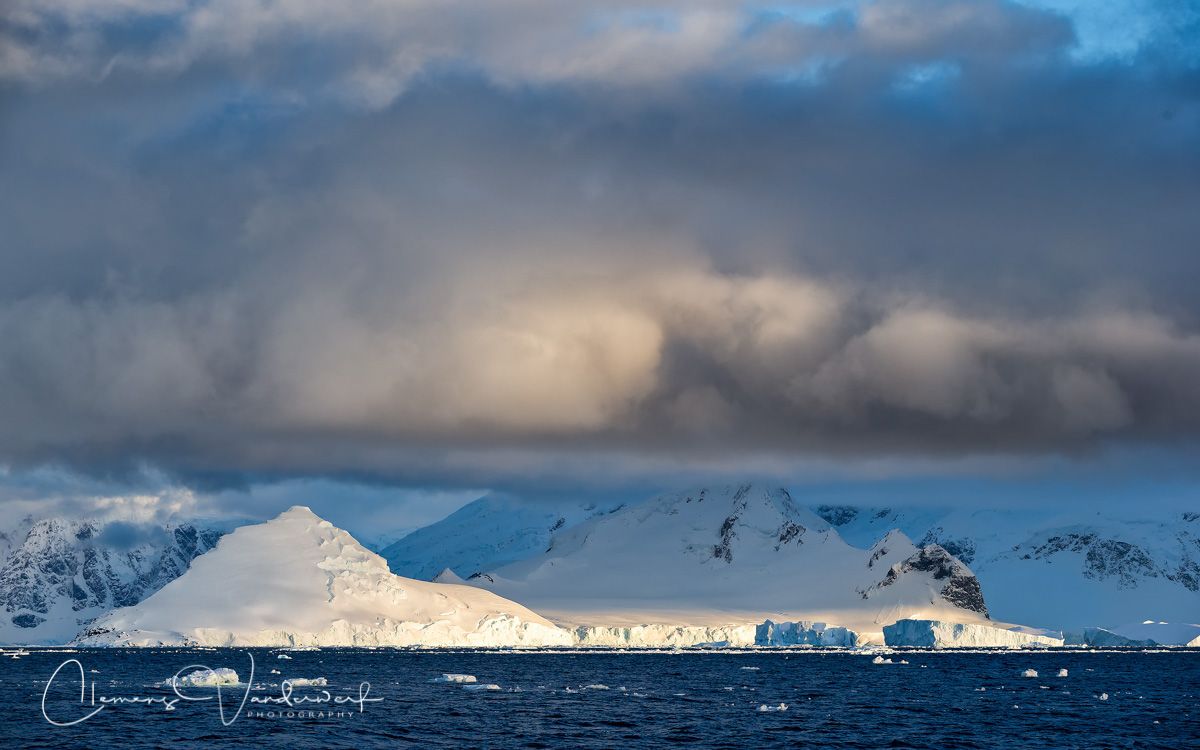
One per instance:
(388, 256)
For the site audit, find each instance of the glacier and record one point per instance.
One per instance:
(916, 633)
(743, 554)
(665, 636)
(487, 533)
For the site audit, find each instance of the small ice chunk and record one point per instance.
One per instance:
(595, 687)
(283, 656)
(204, 678)
(904, 661)
(481, 686)
(881, 660)
(274, 671)
(1062, 673)
(751, 669)
(764, 707)
(1029, 673)
(306, 682)
(1103, 696)
(453, 677)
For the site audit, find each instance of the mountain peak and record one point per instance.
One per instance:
(299, 512)
(289, 581)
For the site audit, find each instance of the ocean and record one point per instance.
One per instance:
(733, 699)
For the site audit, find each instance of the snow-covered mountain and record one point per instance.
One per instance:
(1056, 568)
(486, 534)
(722, 555)
(58, 574)
(299, 580)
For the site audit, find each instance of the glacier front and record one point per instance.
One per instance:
(938, 634)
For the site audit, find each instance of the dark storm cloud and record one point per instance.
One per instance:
(443, 243)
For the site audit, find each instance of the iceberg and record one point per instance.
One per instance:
(938, 634)
(1102, 638)
(804, 633)
(459, 678)
(222, 676)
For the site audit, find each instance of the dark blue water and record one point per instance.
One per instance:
(938, 700)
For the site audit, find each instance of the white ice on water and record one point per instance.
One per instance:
(204, 678)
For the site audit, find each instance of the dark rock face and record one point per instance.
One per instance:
(790, 531)
(27, 620)
(960, 587)
(836, 515)
(60, 562)
(723, 550)
(961, 547)
(1128, 563)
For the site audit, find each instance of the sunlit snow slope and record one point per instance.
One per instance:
(299, 580)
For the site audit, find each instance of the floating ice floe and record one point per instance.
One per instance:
(222, 676)
(306, 682)
(881, 660)
(764, 707)
(1103, 696)
(283, 656)
(595, 687)
(482, 686)
(1029, 673)
(1062, 673)
(453, 677)
(751, 669)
